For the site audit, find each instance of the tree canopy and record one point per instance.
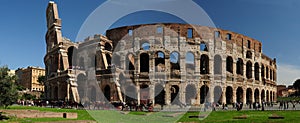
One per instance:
(296, 85)
(8, 89)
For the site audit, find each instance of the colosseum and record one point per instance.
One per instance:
(165, 63)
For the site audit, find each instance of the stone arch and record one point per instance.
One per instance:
(159, 94)
(175, 64)
(239, 67)
(262, 71)
(175, 94)
(218, 94)
(217, 64)
(204, 64)
(262, 96)
(144, 62)
(256, 95)
(130, 94)
(190, 62)
(71, 52)
(190, 94)
(256, 71)
(249, 96)
(239, 94)
(229, 64)
(144, 93)
(130, 63)
(145, 45)
(229, 95)
(108, 46)
(203, 93)
(160, 61)
(249, 70)
(107, 93)
(81, 82)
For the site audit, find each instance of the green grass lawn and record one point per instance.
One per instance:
(109, 116)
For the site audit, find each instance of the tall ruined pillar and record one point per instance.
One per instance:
(244, 95)
(167, 95)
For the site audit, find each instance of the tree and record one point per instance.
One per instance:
(41, 79)
(296, 85)
(8, 89)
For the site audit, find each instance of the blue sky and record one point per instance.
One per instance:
(273, 22)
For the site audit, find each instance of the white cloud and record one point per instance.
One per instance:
(287, 74)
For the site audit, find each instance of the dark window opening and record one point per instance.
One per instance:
(144, 62)
(204, 64)
(249, 44)
(256, 70)
(175, 94)
(203, 94)
(175, 64)
(267, 72)
(108, 59)
(249, 54)
(217, 34)
(159, 29)
(203, 47)
(239, 66)
(190, 33)
(130, 62)
(249, 70)
(160, 62)
(228, 36)
(262, 71)
(130, 32)
(70, 56)
(229, 64)
(108, 47)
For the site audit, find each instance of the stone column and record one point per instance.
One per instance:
(167, 95)
(210, 94)
(182, 93)
(138, 94)
(234, 95)
(224, 96)
(151, 93)
(245, 96)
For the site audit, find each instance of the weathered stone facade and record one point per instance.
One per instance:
(164, 63)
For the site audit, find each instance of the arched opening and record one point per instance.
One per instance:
(218, 95)
(70, 56)
(175, 94)
(239, 94)
(144, 93)
(145, 46)
(160, 62)
(204, 64)
(271, 74)
(249, 55)
(203, 47)
(190, 94)
(107, 93)
(144, 62)
(92, 94)
(159, 94)
(108, 58)
(190, 63)
(175, 64)
(273, 99)
(239, 66)
(249, 70)
(262, 71)
(249, 96)
(56, 93)
(217, 64)
(256, 71)
(108, 47)
(130, 62)
(81, 81)
(229, 64)
(116, 60)
(130, 94)
(256, 95)
(229, 95)
(262, 96)
(203, 93)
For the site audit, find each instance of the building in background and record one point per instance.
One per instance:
(28, 78)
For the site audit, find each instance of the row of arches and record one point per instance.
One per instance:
(204, 65)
